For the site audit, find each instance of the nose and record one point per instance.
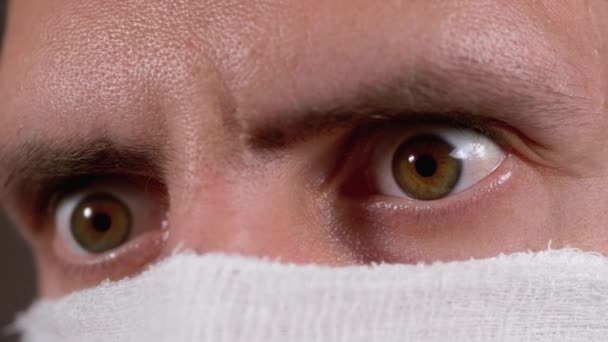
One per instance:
(261, 214)
(225, 198)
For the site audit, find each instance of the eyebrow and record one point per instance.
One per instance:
(461, 95)
(465, 95)
(35, 164)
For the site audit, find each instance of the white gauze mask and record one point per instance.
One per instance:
(546, 296)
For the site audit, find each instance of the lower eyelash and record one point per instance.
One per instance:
(453, 206)
(125, 261)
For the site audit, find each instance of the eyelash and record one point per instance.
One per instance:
(360, 205)
(128, 259)
(351, 153)
(50, 191)
(368, 132)
(123, 261)
(356, 154)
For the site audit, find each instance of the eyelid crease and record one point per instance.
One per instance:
(507, 137)
(38, 160)
(50, 192)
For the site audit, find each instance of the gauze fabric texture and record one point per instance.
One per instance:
(546, 296)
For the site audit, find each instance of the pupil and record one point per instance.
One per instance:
(426, 166)
(102, 222)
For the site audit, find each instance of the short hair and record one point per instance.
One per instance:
(3, 7)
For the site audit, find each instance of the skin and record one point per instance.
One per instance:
(217, 92)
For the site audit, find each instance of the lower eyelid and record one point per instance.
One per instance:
(70, 270)
(126, 260)
(395, 229)
(496, 182)
(386, 140)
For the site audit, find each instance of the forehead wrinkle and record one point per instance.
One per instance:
(509, 41)
(480, 77)
(576, 30)
(597, 12)
(480, 34)
(130, 69)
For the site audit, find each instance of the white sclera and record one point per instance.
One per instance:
(480, 156)
(139, 203)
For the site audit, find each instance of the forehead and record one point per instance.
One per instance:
(93, 59)
(234, 33)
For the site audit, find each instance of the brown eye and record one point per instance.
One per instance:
(100, 222)
(424, 168)
(106, 216)
(430, 162)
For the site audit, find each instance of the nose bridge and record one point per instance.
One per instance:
(223, 198)
(252, 214)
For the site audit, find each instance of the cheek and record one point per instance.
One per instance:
(579, 207)
(50, 282)
(513, 217)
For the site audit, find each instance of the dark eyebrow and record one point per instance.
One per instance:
(34, 164)
(468, 94)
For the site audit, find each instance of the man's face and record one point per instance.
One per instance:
(333, 132)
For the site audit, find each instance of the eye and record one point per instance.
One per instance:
(432, 162)
(97, 223)
(104, 217)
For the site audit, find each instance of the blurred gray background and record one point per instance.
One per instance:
(16, 268)
(17, 282)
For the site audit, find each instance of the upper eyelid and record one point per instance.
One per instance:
(41, 162)
(359, 143)
(489, 128)
(463, 140)
(507, 137)
(37, 168)
(43, 201)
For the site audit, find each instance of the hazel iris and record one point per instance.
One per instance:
(424, 168)
(100, 222)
